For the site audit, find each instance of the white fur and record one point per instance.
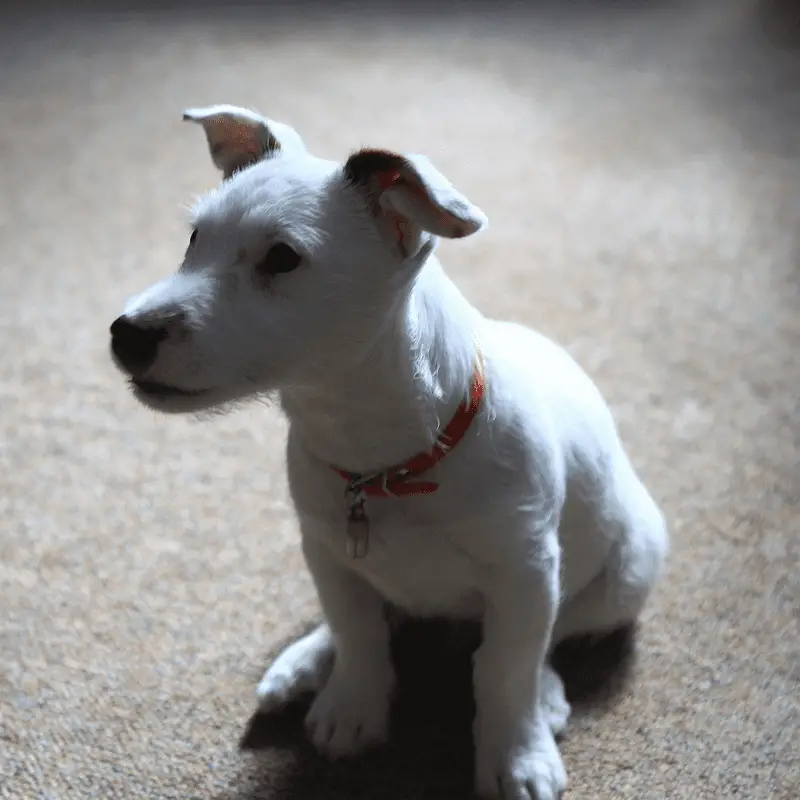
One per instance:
(540, 528)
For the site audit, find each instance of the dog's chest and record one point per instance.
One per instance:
(411, 562)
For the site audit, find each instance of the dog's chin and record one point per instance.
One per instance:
(173, 400)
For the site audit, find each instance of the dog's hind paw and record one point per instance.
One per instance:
(302, 668)
(553, 701)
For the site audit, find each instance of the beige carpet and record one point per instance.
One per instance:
(641, 173)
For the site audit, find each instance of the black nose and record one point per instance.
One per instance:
(135, 346)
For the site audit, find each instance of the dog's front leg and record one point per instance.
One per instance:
(516, 755)
(352, 710)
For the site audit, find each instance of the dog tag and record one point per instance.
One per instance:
(357, 535)
(357, 522)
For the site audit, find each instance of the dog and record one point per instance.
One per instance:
(439, 461)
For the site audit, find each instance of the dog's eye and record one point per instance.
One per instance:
(280, 258)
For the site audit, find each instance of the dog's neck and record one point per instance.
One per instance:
(396, 400)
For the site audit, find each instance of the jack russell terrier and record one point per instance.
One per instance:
(440, 461)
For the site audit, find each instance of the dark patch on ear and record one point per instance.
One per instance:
(271, 144)
(268, 147)
(368, 162)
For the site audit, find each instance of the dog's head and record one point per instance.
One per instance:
(293, 265)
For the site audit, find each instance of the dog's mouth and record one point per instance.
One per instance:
(163, 390)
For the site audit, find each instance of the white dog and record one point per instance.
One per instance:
(447, 463)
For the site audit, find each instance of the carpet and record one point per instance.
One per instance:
(640, 167)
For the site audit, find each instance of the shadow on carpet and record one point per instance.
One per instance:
(429, 754)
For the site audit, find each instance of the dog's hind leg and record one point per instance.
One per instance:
(302, 668)
(615, 598)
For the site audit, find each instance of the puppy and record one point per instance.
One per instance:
(440, 461)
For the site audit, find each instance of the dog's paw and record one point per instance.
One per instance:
(553, 701)
(301, 668)
(350, 714)
(533, 771)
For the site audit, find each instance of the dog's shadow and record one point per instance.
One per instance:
(429, 754)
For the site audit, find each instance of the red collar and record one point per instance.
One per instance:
(395, 482)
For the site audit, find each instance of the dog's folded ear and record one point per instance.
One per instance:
(238, 137)
(409, 195)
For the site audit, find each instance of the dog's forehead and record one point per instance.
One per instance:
(279, 184)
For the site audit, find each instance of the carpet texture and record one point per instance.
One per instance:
(640, 167)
